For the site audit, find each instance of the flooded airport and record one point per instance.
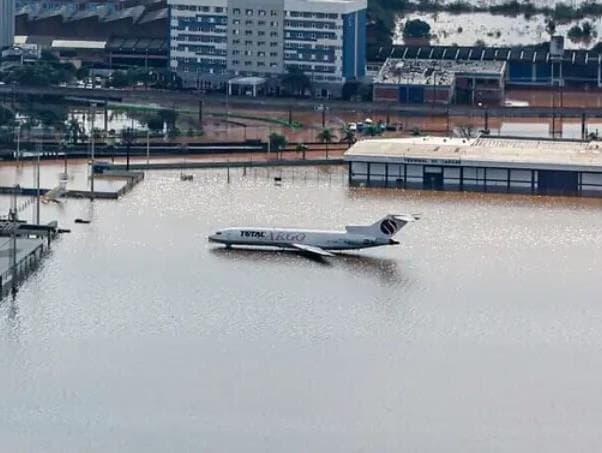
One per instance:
(479, 332)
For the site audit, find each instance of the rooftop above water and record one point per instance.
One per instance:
(434, 72)
(496, 151)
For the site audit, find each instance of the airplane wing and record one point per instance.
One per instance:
(311, 249)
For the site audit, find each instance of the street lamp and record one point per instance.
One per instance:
(485, 118)
(92, 117)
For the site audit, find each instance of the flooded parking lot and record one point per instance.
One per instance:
(479, 332)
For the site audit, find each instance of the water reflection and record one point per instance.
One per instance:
(385, 270)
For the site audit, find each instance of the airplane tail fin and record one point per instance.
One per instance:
(387, 227)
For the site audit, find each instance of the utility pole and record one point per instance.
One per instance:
(13, 236)
(18, 144)
(92, 117)
(39, 149)
(147, 147)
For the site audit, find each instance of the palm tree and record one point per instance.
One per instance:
(348, 136)
(301, 148)
(75, 130)
(325, 136)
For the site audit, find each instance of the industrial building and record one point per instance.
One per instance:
(544, 65)
(7, 23)
(214, 41)
(440, 82)
(105, 35)
(542, 167)
(142, 20)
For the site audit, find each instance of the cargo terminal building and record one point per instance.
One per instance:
(541, 167)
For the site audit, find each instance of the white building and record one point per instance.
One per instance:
(213, 41)
(7, 23)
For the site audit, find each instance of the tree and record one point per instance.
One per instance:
(348, 136)
(119, 79)
(128, 136)
(325, 136)
(295, 81)
(301, 148)
(416, 28)
(551, 27)
(74, 131)
(277, 142)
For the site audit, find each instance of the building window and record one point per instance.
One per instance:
(262, 12)
(273, 33)
(249, 12)
(236, 11)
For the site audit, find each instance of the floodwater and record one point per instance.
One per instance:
(494, 30)
(480, 332)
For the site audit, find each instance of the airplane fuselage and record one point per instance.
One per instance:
(285, 238)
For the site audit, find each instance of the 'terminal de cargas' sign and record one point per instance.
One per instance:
(412, 160)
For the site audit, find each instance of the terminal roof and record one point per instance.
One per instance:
(485, 151)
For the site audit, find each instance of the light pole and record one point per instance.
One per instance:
(147, 147)
(18, 144)
(39, 149)
(485, 118)
(92, 116)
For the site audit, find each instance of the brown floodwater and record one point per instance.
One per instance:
(480, 332)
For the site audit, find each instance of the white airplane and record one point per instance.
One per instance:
(318, 242)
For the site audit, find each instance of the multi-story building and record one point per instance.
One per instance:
(7, 23)
(214, 41)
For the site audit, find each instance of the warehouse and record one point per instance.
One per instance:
(441, 82)
(542, 167)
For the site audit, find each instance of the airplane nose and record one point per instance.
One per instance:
(393, 242)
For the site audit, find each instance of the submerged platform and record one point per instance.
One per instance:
(489, 164)
(29, 253)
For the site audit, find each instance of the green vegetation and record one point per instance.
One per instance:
(47, 71)
(301, 148)
(416, 28)
(161, 79)
(348, 136)
(326, 136)
(382, 14)
(583, 32)
(277, 142)
(295, 82)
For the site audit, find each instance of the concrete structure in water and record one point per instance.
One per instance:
(213, 41)
(7, 23)
(542, 167)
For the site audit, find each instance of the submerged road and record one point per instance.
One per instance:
(181, 98)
